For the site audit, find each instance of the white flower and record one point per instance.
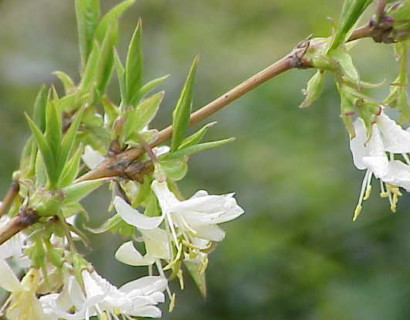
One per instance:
(91, 157)
(378, 154)
(199, 215)
(137, 298)
(13, 247)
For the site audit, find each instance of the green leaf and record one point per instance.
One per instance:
(133, 68)
(110, 20)
(40, 170)
(119, 68)
(68, 141)
(45, 150)
(65, 79)
(87, 13)
(105, 62)
(77, 191)
(89, 74)
(196, 148)
(151, 85)
(138, 118)
(71, 169)
(53, 125)
(175, 169)
(39, 113)
(182, 111)
(196, 137)
(351, 12)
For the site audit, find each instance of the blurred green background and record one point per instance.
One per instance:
(296, 254)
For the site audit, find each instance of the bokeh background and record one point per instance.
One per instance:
(296, 254)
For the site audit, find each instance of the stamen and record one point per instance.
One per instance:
(365, 184)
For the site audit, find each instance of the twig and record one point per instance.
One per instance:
(9, 197)
(23, 220)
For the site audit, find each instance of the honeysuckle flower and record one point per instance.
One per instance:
(199, 215)
(100, 298)
(22, 303)
(380, 153)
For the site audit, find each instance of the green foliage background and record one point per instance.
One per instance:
(296, 254)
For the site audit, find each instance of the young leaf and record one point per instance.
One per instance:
(65, 79)
(45, 150)
(151, 85)
(39, 113)
(196, 148)
(87, 79)
(53, 125)
(119, 68)
(182, 111)
(314, 89)
(176, 169)
(71, 168)
(87, 13)
(351, 12)
(105, 61)
(77, 191)
(138, 118)
(197, 136)
(110, 20)
(68, 141)
(133, 68)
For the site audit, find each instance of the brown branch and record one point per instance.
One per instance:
(9, 197)
(23, 220)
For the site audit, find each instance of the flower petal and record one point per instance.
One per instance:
(358, 144)
(395, 138)
(127, 254)
(91, 157)
(8, 280)
(133, 217)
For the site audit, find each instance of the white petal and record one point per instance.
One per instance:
(8, 279)
(156, 244)
(165, 197)
(398, 174)
(161, 150)
(210, 232)
(91, 157)
(146, 285)
(133, 217)
(357, 144)
(395, 138)
(127, 254)
(376, 160)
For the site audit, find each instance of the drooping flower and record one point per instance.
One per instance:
(138, 298)
(381, 153)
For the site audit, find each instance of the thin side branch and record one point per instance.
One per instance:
(23, 220)
(9, 197)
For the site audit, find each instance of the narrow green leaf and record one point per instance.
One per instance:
(40, 170)
(71, 169)
(119, 68)
(39, 113)
(105, 62)
(87, 13)
(133, 68)
(351, 12)
(45, 150)
(151, 85)
(53, 125)
(197, 136)
(68, 141)
(65, 79)
(196, 148)
(77, 191)
(138, 118)
(314, 89)
(182, 111)
(110, 20)
(89, 74)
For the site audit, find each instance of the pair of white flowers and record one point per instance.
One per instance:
(383, 153)
(193, 221)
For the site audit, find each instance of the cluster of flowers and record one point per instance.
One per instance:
(382, 150)
(185, 231)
